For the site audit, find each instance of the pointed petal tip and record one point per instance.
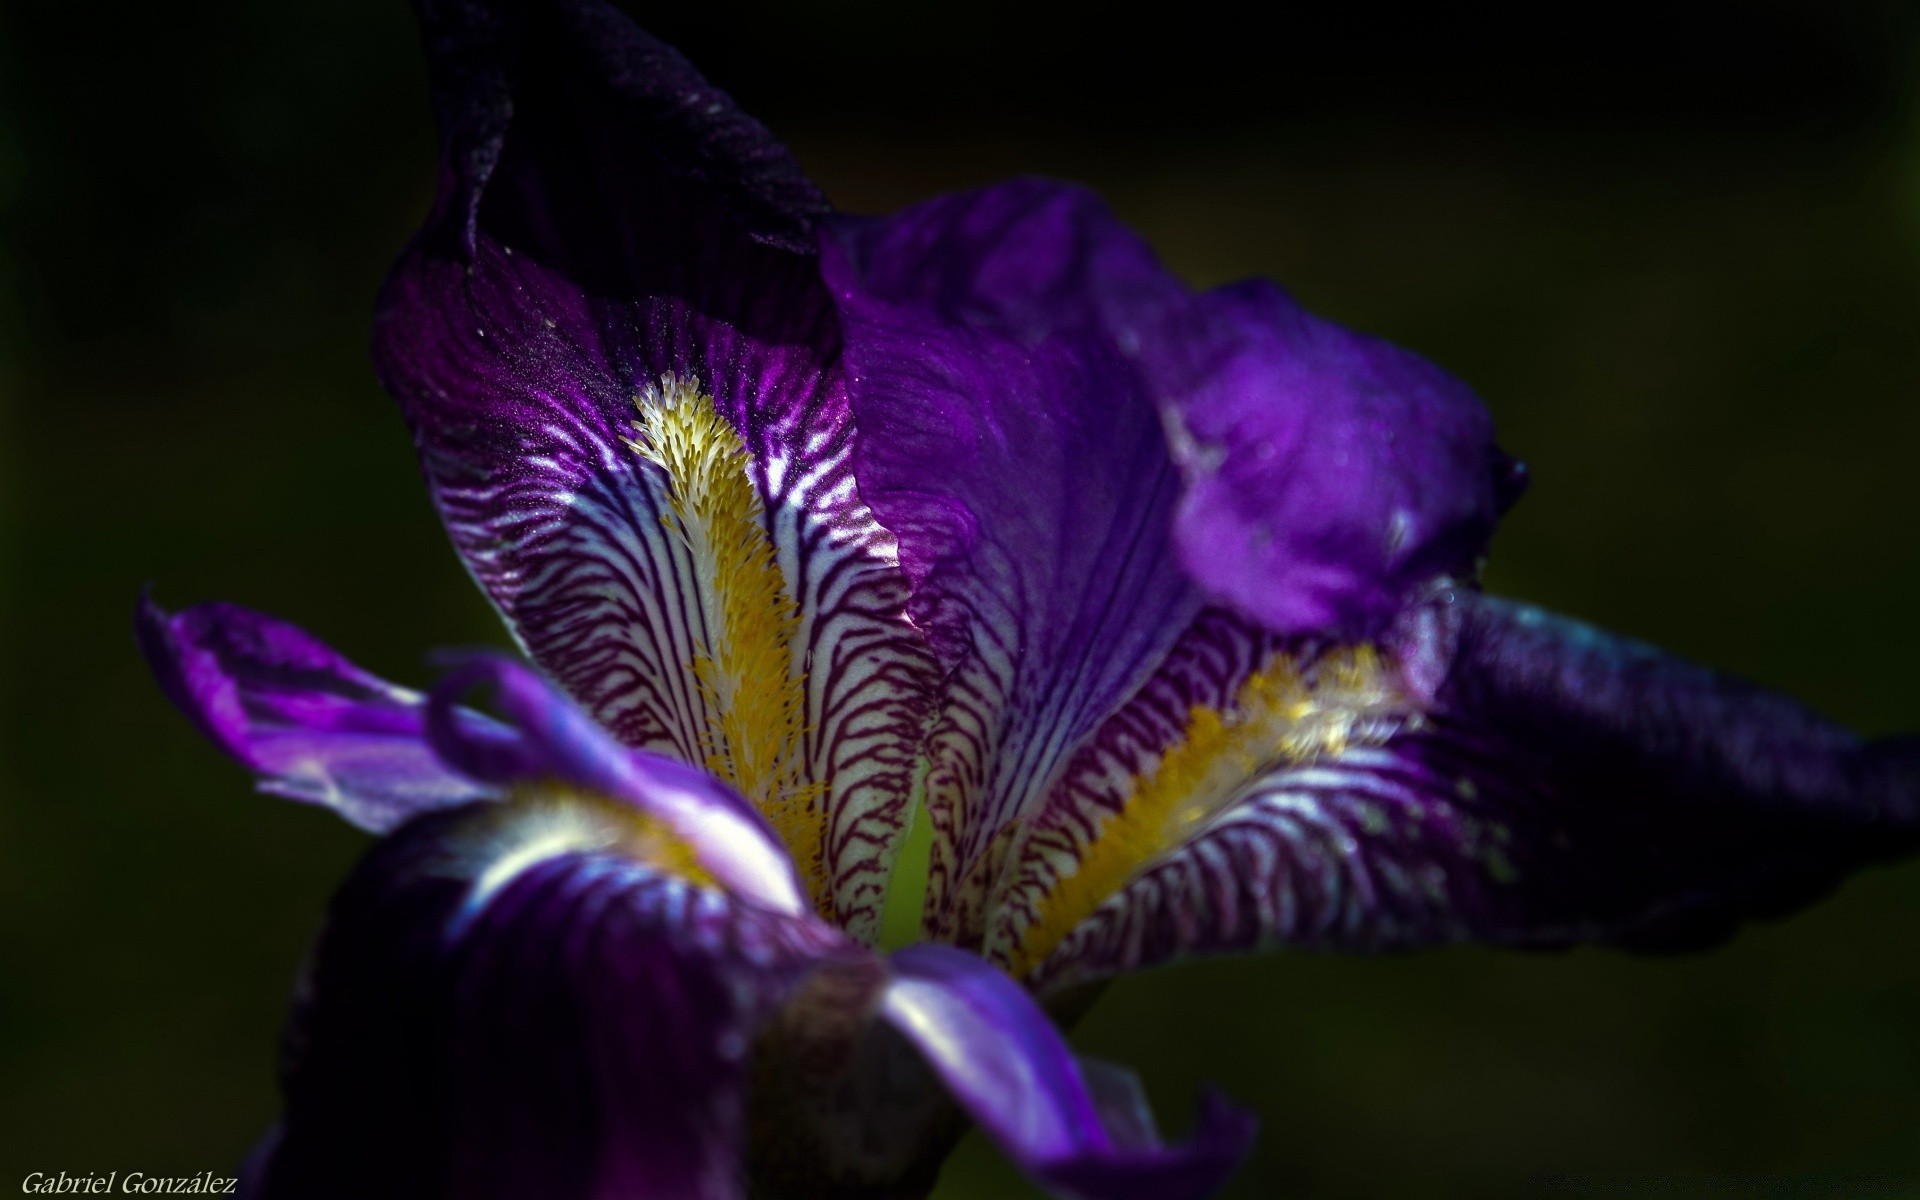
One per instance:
(1892, 771)
(190, 675)
(313, 726)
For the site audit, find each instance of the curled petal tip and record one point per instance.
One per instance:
(487, 753)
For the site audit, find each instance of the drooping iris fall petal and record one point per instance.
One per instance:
(484, 1018)
(552, 989)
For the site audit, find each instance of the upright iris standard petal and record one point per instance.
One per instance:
(573, 1026)
(1003, 1061)
(1330, 475)
(314, 726)
(1010, 440)
(622, 374)
(1542, 784)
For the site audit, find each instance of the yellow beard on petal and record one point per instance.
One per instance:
(745, 665)
(1279, 717)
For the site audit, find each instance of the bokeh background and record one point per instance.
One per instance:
(1675, 247)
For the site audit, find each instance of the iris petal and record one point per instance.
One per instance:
(584, 1034)
(314, 726)
(1329, 475)
(610, 226)
(1552, 784)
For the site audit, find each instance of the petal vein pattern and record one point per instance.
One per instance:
(596, 561)
(751, 688)
(1230, 704)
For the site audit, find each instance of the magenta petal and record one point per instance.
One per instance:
(1004, 1062)
(583, 1036)
(314, 726)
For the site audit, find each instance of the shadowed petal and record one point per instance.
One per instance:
(614, 238)
(1548, 784)
(577, 1029)
(314, 726)
(1004, 1062)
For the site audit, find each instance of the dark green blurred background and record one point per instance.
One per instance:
(1676, 248)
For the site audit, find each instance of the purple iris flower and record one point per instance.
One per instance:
(1159, 605)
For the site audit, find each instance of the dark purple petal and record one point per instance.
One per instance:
(314, 726)
(1004, 1062)
(483, 53)
(1562, 785)
(1329, 475)
(607, 218)
(1010, 440)
(579, 1029)
(554, 740)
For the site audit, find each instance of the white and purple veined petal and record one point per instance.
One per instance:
(763, 489)
(1543, 784)
(1189, 720)
(613, 311)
